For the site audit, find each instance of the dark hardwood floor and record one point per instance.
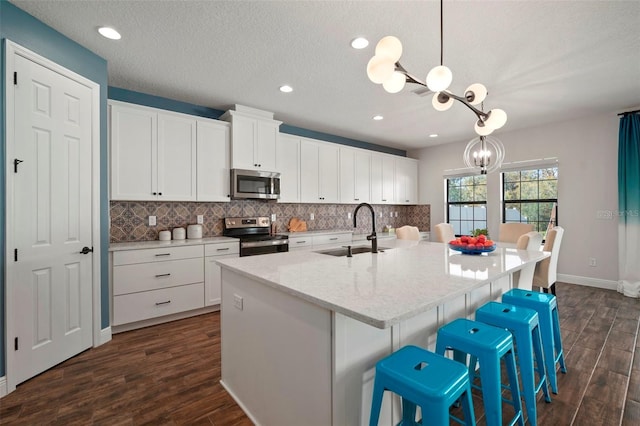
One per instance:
(169, 374)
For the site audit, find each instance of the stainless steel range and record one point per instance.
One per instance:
(255, 235)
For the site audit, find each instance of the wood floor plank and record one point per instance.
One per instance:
(169, 374)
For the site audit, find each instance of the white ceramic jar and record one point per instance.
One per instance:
(179, 234)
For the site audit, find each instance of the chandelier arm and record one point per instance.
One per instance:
(410, 78)
(480, 114)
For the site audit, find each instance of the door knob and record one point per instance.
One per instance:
(86, 250)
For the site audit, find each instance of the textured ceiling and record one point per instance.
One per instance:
(542, 61)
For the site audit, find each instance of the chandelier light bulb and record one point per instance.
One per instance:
(482, 129)
(389, 47)
(496, 118)
(395, 83)
(441, 102)
(439, 78)
(476, 93)
(380, 69)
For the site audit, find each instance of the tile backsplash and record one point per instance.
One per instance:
(130, 219)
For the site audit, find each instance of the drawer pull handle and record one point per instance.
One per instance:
(333, 239)
(223, 249)
(163, 303)
(162, 275)
(301, 242)
(163, 254)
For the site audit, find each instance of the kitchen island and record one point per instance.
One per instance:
(302, 331)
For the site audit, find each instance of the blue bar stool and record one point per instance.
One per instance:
(424, 379)
(547, 307)
(523, 325)
(487, 345)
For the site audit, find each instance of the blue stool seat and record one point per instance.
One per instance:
(546, 306)
(523, 325)
(487, 345)
(424, 379)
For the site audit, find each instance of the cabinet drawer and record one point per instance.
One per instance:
(331, 239)
(222, 249)
(128, 257)
(299, 242)
(150, 304)
(151, 276)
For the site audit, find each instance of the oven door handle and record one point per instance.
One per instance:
(252, 244)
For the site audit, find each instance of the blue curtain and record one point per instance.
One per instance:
(629, 205)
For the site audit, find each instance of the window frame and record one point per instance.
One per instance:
(504, 201)
(462, 203)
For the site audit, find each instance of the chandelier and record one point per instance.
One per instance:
(385, 68)
(485, 152)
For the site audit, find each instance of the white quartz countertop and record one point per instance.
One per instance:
(385, 288)
(318, 232)
(139, 245)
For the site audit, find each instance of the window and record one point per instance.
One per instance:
(529, 195)
(467, 203)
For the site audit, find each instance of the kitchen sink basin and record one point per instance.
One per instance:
(343, 251)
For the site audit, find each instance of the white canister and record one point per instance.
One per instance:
(194, 231)
(179, 234)
(164, 235)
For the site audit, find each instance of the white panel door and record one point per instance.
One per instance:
(176, 157)
(52, 190)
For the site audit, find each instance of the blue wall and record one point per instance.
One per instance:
(125, 95)
(25, 30)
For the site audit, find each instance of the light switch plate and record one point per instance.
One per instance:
(312, 216)
(200, 219)
(238, 301)
(273, 217)
(152, 221)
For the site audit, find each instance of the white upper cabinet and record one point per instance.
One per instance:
(319, 165)
(153, 154)
(288, 164)
(176, 157)
(355, 175)
(213, 160)
(382, 179)
(406, 180)
(254, 135)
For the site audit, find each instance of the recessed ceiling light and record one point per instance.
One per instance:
(109, 33)
(359, 43)
(286, 89)
(378, 117)
(433, 135)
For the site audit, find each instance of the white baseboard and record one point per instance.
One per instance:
(589, 282)
(105, 336)
(3, 386)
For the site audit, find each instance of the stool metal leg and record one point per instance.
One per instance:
(376, 403)
(515, 387)
(544, 378)
(558, 340)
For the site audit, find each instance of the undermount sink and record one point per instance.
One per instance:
(343, 251)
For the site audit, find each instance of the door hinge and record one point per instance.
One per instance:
(15, 164)
(15, 78)
(15, 255)
(15, 343)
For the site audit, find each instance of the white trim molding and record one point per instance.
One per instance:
(105, 336)
(589, 282)
(3, 386)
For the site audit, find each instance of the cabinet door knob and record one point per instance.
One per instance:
(159, 193)
(154, 193)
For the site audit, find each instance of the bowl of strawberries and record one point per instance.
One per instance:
(472, 245)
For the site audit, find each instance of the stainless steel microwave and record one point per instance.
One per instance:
(255, 184)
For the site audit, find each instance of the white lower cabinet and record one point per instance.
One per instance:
(155, 282)
(212, 278)
(300, 243)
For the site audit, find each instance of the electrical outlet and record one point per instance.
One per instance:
(238, 301)
(312, 216)
(395, 214)
(348, 215)
(152, 221)
(390, 214)
(200, 219)
(592, 261)
(273, 217)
